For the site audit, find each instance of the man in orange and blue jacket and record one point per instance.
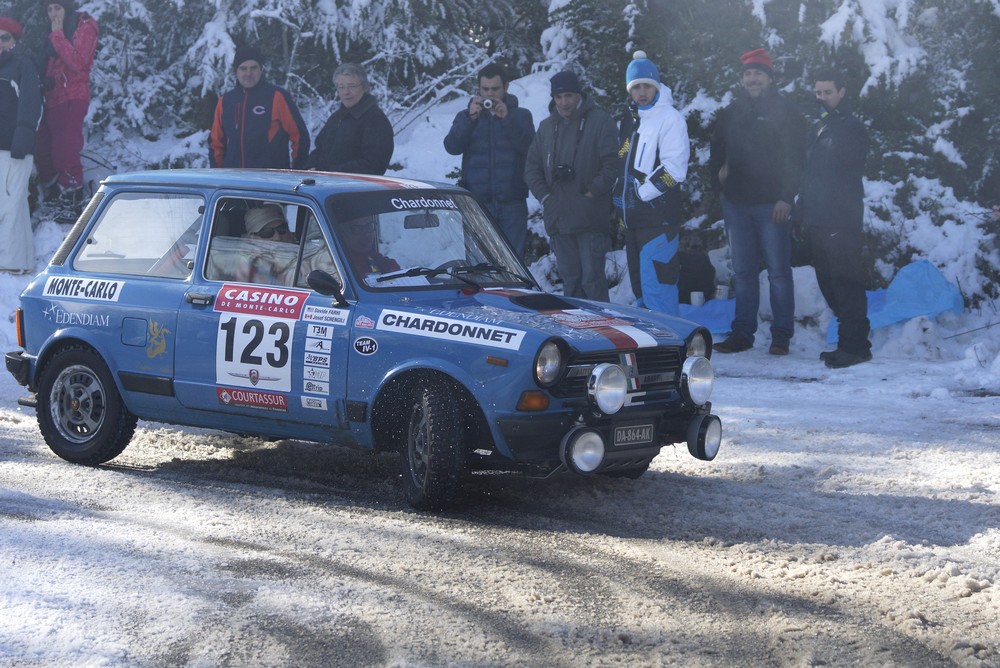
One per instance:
(257, 123)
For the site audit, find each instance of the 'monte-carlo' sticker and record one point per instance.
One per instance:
(366, 345)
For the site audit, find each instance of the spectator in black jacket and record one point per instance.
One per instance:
(20, 109)
(756, 157)
(832, 210)
(358, 137)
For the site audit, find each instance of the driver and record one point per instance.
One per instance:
(358, 238)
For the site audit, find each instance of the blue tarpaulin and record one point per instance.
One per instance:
(917, 289)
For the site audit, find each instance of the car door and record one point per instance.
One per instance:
(128, 279)
(261, 347)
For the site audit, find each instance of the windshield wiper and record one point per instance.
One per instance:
(413, 271)
(487, 268)
(427, 271)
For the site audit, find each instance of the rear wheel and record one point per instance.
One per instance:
(432, 457)
(80, 413)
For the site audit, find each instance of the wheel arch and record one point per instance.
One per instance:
(388, 418)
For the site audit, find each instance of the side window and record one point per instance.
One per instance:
(265, 243)
(316, 253)
(144, 234)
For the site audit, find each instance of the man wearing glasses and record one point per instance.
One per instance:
(358, 136)
(257, 124)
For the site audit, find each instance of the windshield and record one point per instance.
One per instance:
(420, 238)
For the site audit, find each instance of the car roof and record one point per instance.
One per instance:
(318, 183)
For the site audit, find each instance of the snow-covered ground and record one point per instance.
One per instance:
(851, 518)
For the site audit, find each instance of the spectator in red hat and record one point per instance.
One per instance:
(20, 107)
(68, 57)
(757, 155)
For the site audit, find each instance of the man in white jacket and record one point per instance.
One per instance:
(656, 150)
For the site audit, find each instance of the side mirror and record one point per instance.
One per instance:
(419, 221)
(325, 284)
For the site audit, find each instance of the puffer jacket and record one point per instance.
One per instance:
(656, 151)
(493, 151)
(20, 104)
(70, 55)
(587, 141)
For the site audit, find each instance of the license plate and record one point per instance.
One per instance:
(636, 434)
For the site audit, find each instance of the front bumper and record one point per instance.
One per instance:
(630, 438)
(19, 366)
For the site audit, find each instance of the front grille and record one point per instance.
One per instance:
(658, 369)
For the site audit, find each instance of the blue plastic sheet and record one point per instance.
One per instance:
(917, 289)
(715, 314)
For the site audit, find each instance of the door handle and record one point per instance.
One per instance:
(199, 299)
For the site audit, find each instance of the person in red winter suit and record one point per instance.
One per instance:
(65, 66)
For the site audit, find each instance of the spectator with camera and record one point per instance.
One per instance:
(571, 166)
(655, 146)
(493, 135)
(357, 138)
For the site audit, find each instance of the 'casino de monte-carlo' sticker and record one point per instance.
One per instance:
(254, 342)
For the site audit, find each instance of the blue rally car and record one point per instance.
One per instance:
(375, 312)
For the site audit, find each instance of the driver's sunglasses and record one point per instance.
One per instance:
(268, 232)
(6, 37)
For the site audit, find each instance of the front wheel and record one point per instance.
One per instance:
(80, 413)
(432, 458)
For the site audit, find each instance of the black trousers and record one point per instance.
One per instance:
(836, 256)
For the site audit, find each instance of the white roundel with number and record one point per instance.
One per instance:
(253, 351)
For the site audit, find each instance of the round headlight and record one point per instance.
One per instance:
(549, 363)
(697, 345)
(697, 380)
(582, 450)
(607, 388)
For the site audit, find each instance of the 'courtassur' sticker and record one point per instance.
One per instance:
(448, 329)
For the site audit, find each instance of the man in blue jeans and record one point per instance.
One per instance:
(757, 156)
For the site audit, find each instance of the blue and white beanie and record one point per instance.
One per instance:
(641, 70)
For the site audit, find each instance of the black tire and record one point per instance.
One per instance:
(80, 413)
(432, 454)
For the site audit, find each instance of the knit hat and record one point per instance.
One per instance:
(758, 59)
(257, 219)
(11, 26)
(245, 53)
(565, 82)
(641, 70)
(68, 5)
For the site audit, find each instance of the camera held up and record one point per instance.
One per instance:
(487, 104)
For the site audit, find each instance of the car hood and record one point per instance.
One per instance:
(585, 325)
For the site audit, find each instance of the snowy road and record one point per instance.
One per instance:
(852, 518)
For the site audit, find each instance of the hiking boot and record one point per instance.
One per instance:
(840, 359)
(778, 349)
(826, 354)
(734, 343)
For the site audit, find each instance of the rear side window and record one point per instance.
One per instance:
(144, 234)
